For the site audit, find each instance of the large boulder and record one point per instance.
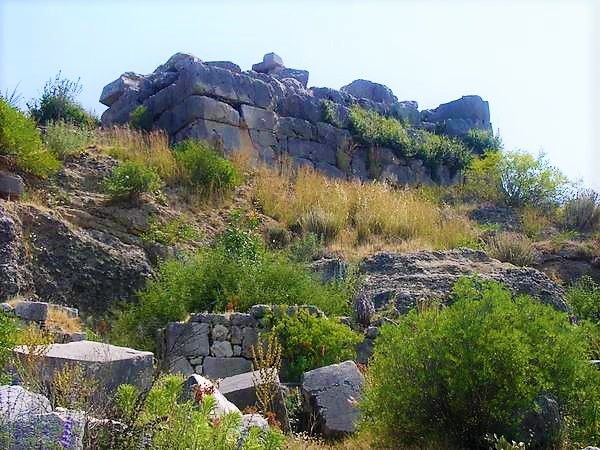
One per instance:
(107, 365)
(406, 279)
(11, 185)
(542, 424)
(459, 116)
(271, 61)
(375, 92)
(330, 394)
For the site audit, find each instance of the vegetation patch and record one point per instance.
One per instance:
(129, 180)
(451, 377)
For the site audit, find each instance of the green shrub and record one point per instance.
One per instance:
(436, 149)
(58, 102)
(372, 128)
(330, 114)
(527, 180)
(129, 180)
(171, 232)
(482, 141)
(21, 142)
(310, 342)
(8, 340)
(235, 272)
(584, 298)
(513, 248)
(65, 139)
(204, 170)
(141, 118)
(482, 179)
(582, 213)
(165, 421)
(450, 377)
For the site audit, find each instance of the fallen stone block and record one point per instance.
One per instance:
(107, 365)
(196, 386)
(32, 311)
(216, 368)
(330, 395)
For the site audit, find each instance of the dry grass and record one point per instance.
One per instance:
(352, 214)
(150, 149)
(61, 320)
(513, 248)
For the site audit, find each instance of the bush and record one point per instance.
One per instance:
(482, 141)
(526, 180)
(163, 420)
(204, 170)
(582, 213)
(450, 377)
(235, 272)
(129, 180)
(482, 179)
(171, 232)
(141, 118)
(372, 128)
(8, 340)
(310, 342)
(65, 139)
(58, 102)
(513, 248)
(21, 142)
(584, 298)
(436, 149)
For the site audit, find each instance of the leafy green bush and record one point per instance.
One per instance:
(482, 179)
(141, 118)
(20, 141)
(372, 128)
(171, 232)
(8, 339)
(309, 342)
(527, 180)
(330, 115)
(65, 139)
(436, 149)
(482, 141)
(58, 102)
(584, 298)
(582, 213)
(455, 375)
(203, 169)
(129, 180)
(165, 421)
(236, 271)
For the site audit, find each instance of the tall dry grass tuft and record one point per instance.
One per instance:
(148, 148)
(359, 214)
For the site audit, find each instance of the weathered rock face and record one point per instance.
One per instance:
(330, 394)
(11, 186)
(405, 279)
(270, 111)
(86, 268)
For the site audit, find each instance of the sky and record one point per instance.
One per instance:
(536, 62)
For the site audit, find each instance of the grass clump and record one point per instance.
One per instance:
(309, 342)
(163, 419)
(8, 340)
(58, 103)
(582, 213)
(170, 232)
(203, 170)
(451, 377)
(350, 213)
(20, 141)
(131, 179)
(513, 248)
(235, 272)
(149, 149)
(65, 139)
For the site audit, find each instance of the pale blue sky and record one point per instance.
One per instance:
(536, 62)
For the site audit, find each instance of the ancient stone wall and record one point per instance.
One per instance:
(218, 345)
(271, 110)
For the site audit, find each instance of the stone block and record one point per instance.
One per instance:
(222, 349)
(195, 382)
(108, 365)
(249, 339)
(258, 118)
(32, 311)
(187, 339)
(215, 368)
(11, 185)
(221, 135)
(220, 332)
(330, 394)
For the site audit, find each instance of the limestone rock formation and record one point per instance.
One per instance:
(270, 110)
(405, 279)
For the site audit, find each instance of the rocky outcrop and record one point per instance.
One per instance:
(270, 110)
(330, 396)
(403, 280)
